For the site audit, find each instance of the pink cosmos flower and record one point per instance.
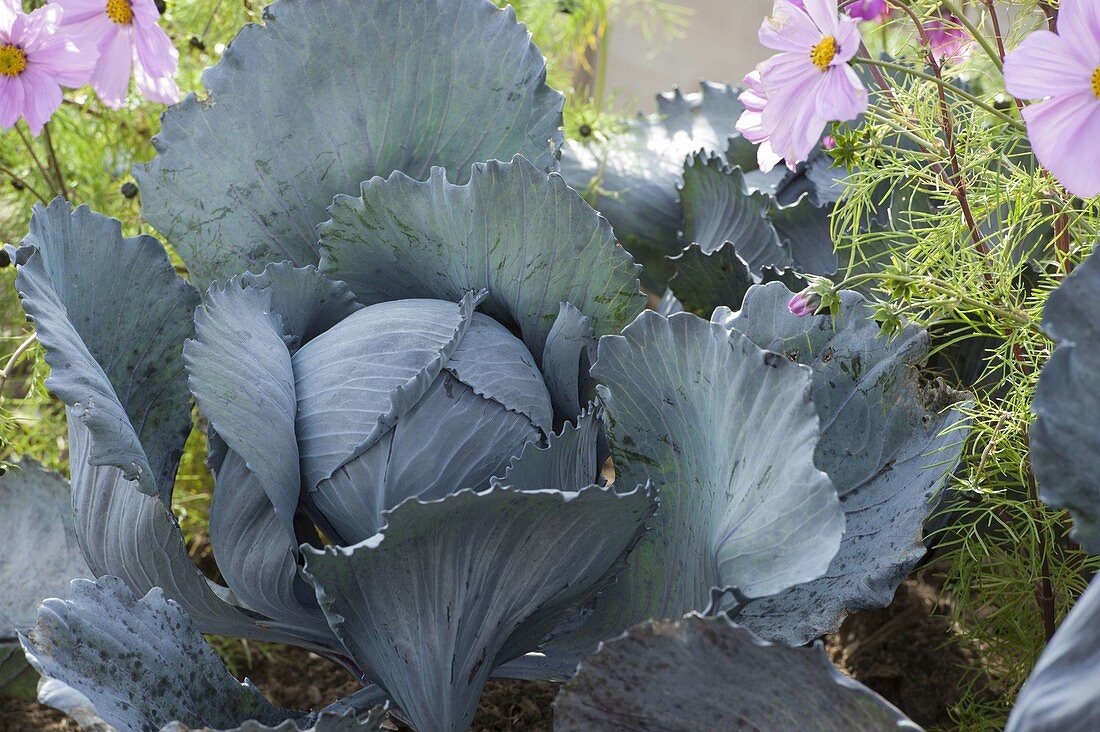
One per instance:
(808, 84)
(862, 9)
(1063, 69)
(128, 37)
(948, 39)
(751, 122)
(36, 60)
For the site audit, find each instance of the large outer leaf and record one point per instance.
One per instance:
(140, 662)
(256, 558)
(567, 463)
(1063, 692)
(356, 712)
(113, 316)
(40, 557)
(886, 448)
(329, 93)
(64, 698)
(804, 229)
(529, 240)
(719, 206)
(451, 588)
(130, 535)
(704, 281)
(1065, 444)
(636, 172)
(334, 718)
(325, 722)
(700, 673)
(726, 433)
(566, 358)
(735, 235)
(241, 375)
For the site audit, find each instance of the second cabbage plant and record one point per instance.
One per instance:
(448, 441)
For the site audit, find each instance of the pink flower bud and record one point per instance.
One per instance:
(948, 40)
(804, 303)
(869, 9)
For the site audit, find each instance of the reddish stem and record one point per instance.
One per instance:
(1052, 15)
(957, 181)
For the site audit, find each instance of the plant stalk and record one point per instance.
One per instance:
(37, 162)
(55, 164)
(1044, 587)
(19, 351)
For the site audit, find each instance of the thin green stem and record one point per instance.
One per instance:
(905, 152)
(55, 164)
(955, 182)
(899, 124)
(998, 35)
(945, 86)
(23, 182)
(19, 351)
(86, 108)
(1016, 317)
(37, 162)
(604, 36)
(210, 20)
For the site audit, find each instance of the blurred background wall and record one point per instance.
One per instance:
(719, 44)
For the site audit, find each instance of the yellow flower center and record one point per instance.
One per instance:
(12, 60)
(824, 53)
(120, 11)
(1096, 82)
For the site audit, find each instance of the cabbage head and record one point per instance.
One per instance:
(392, 368)
(358, 442)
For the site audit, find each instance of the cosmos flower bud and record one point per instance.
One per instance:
(869, 9)
(804, 303)
(947, 39)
